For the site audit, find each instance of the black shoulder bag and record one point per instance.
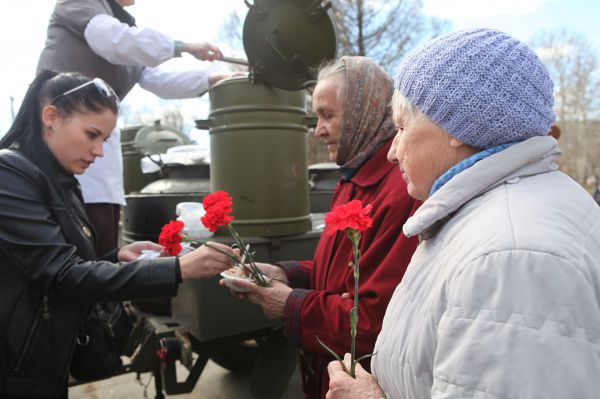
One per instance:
(100, 342)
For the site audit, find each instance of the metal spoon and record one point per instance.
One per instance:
(233, 60)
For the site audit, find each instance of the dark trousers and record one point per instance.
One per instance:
(105, 220)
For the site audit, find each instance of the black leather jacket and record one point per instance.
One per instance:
(49, 273)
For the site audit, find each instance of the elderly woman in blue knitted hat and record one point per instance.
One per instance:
(502, 297)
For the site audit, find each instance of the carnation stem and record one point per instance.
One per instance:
(256, 273)
(354, 311)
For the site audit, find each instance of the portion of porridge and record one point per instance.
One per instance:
(237, 271)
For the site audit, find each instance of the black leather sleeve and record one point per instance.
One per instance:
(33, 241)
(111, 256)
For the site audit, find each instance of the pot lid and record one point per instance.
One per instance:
(285, 40)
(157, 139)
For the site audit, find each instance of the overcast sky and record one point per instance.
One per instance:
(23, 31)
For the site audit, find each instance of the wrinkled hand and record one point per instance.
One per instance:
(131, 252)
(342, 386)
(272, 272)
(272, 299)
(206, 262)
(203, 51)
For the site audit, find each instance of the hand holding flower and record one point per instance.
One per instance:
(343, 386)
(272, 272)
(207, 261)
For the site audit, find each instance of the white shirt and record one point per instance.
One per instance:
(121, 44)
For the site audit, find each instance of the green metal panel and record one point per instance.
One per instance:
(258, 144)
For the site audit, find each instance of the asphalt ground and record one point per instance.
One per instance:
(215, 383)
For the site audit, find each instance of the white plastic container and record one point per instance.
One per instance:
(190, 213)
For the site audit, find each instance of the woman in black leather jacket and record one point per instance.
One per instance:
(49, 272)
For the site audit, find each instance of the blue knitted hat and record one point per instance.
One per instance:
(482, 86)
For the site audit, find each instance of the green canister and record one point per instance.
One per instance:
(258, 147)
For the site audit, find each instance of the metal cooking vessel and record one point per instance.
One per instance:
(133, 178)
(147, 211)
(137, 141)
(258, 146)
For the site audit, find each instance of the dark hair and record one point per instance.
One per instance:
(26, 130)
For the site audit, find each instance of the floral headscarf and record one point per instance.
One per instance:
(367, 121)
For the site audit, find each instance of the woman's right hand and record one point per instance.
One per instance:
(206, 262)
(203, 51)
(342, 386)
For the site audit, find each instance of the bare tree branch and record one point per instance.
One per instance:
(573, 64)
(384, 31)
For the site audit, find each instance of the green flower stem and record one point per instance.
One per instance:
(354, 237)
(256, 273)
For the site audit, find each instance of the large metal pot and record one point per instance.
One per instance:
(133, 178)
(138, 141)
(154, 206)
(258, 146)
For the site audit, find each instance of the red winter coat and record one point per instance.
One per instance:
(315, 307)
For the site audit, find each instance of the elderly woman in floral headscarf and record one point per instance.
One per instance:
(352, 101)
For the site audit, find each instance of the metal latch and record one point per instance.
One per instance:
(316, 10)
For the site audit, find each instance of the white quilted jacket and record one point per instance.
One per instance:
(502, 297)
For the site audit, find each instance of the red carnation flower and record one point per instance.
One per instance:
(349, 216)
(217, 206)
(170, 237)
(220, 198)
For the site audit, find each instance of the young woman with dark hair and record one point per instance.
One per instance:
(49, 270)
